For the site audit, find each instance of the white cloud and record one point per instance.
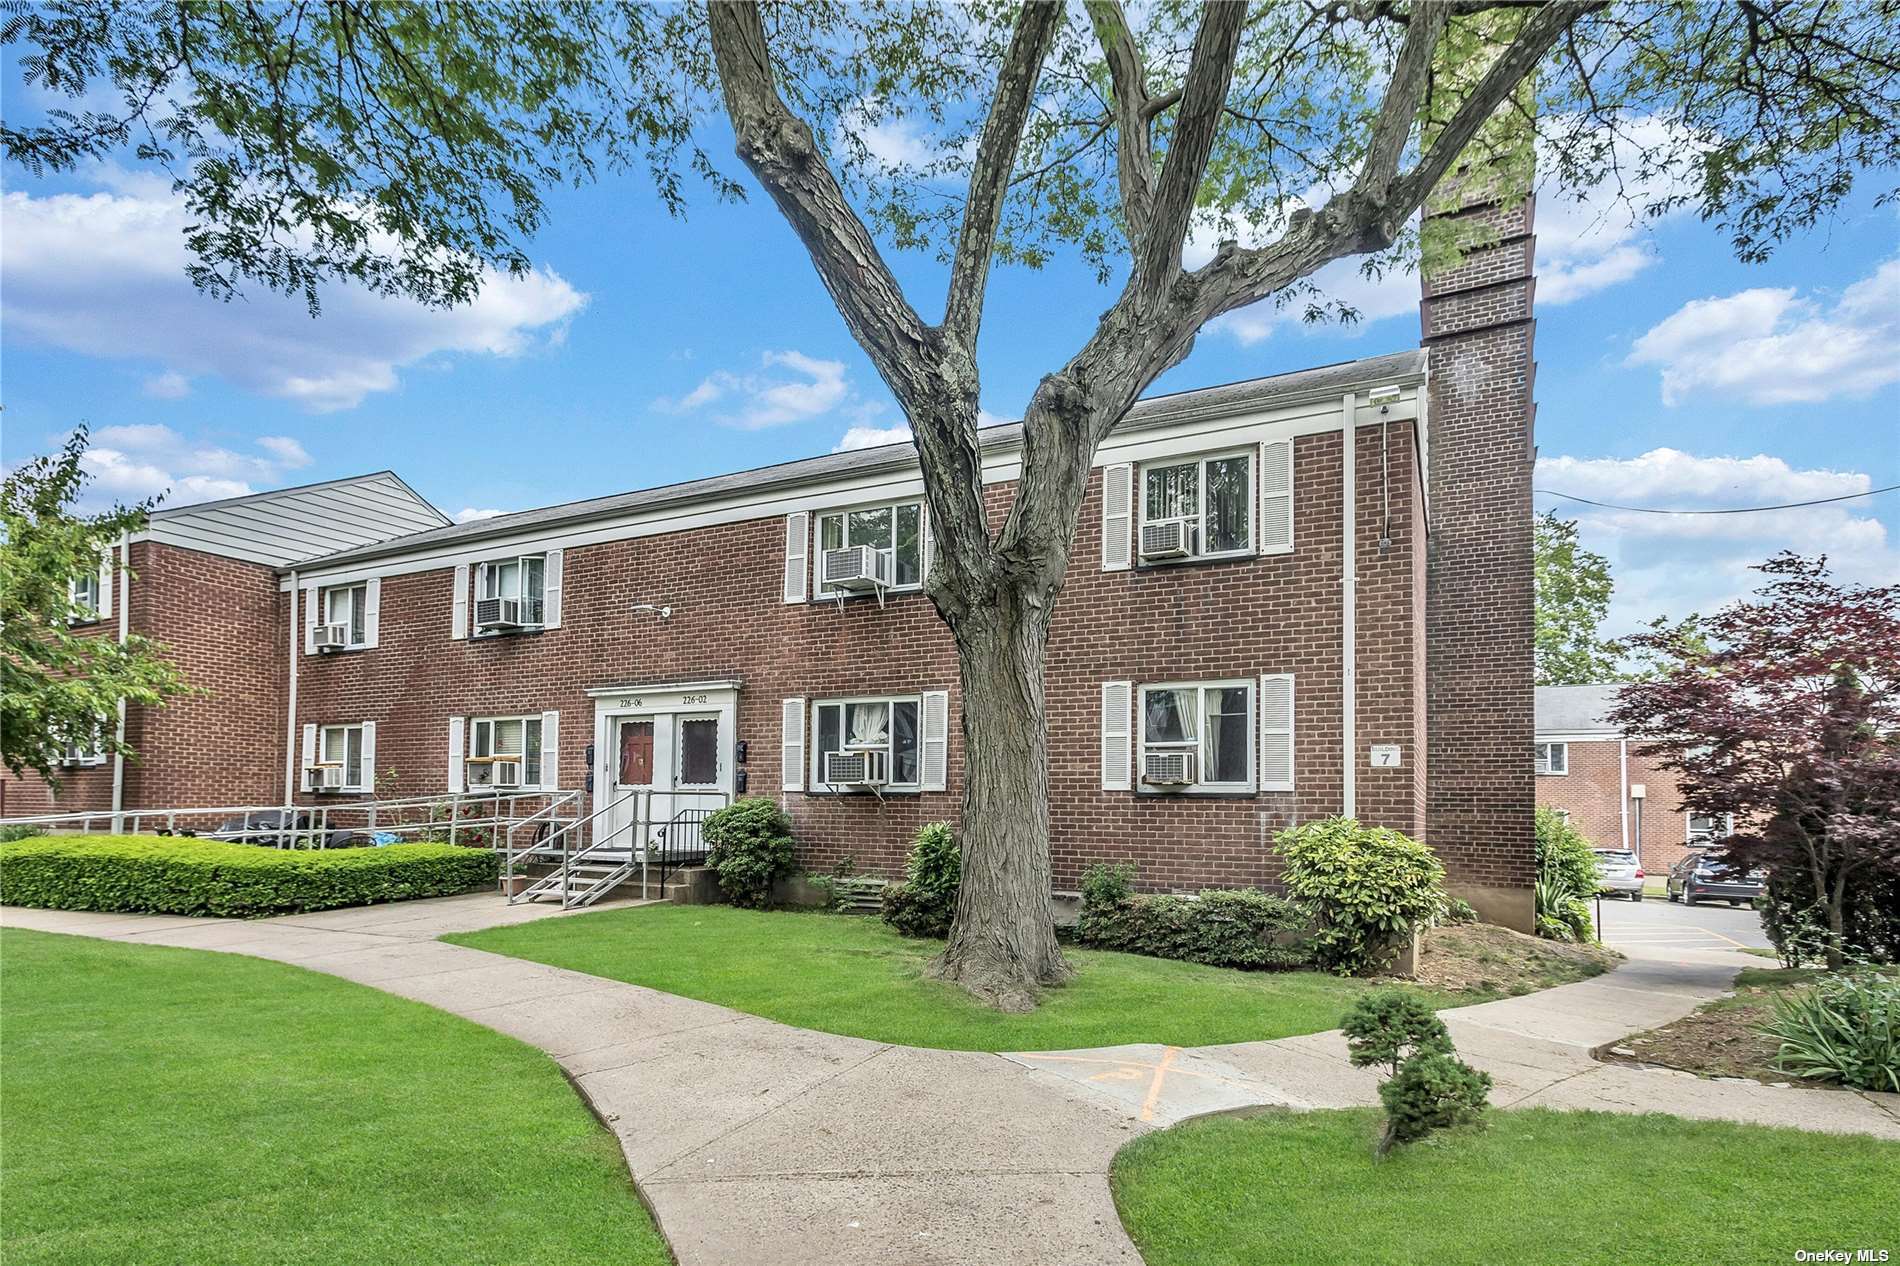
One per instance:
(787, 387)
(130, 463)
(872, 437)
(103, 274)
(1666, 564)
(1773, 346)
(470, 514)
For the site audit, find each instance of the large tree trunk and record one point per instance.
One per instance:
(1002, 945)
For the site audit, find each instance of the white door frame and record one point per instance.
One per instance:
(665, 703)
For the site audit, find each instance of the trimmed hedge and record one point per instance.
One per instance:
(152, 874)
(1237, 927)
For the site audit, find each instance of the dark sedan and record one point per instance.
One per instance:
(1705, 875)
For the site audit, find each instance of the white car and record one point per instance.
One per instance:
(1619, 874)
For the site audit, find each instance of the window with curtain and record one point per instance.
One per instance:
(1214, 721)
(887, 725)
(505, 738)
(1214, 495)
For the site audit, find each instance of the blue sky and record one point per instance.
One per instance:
(647, 349)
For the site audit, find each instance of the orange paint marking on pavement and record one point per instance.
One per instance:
(1154, 1087)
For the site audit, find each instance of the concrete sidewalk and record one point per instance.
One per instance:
(758, 1142)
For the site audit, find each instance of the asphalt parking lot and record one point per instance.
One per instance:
(1655, 924)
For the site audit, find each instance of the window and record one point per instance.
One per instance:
(348, 607)
(84, 593)
(896, 531)
(886, 729)
(1210, 497)
(342, 745)
(699, 752)
(493, 740)
(1553, 758)
(519, 579)
(1206, 727)
(1706, 828)
(85, 751)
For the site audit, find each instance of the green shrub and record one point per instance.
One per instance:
(1433, 1090)
(1458, 910)
(179, 875)
(1566, 879)
(8, 834)
(1795, 920)
(1238, 927)
(925, 902)
(1389, 1026)
(1367, 887)
(1846, 1028)
(749, 845)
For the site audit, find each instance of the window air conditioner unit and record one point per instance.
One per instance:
(1168, 769)
(1166, 538)
(331, 637)
(325, 777)
(856, 769)
(498, 613)
(855, 569)
(506, 773)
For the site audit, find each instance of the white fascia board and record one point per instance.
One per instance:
(1577, 736)
(1313, 417)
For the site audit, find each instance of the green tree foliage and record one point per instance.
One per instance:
(1431, 1091)
(1566, 878)
(1389, 1026)
(1573, 597)
(63, 676)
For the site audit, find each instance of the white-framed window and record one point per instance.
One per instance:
(886, 729)
(1210, 497)
(342, 745)
(83, 591)
(347, 606)
(510, 592)
(494, 740)
(1703, 829)
(85, 751)
(1553, 758)
(1196, 736)
(895, 530)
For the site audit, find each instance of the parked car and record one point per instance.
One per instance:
(1706, 875)
(1619, 874)
(267, 827)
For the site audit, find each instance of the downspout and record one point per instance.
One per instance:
(290, 709)
(123, 584)
(1623, 764)
(1349, 605)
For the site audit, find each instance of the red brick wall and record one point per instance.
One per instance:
(1209, 621)
(219, 621)
(1592, 792)
(1478, 331)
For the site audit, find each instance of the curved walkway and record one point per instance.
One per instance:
(754, 1141)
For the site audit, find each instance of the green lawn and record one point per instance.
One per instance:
(169, 1105)
(1531, 1186)
(855, 976)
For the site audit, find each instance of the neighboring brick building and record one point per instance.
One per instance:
(685, 639)
(1616, 796)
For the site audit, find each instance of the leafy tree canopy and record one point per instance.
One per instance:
(1573, 597)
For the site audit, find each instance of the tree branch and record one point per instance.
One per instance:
(1404, 94)
(995, 160)
(1134, 145)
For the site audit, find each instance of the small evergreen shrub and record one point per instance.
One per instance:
(1367, 888)
(748, 847)
(1566, 879)
(1238, 927)
(925, 902)
(1431, 1091)
(1389, 1026)
(1845, 1029)
(152, 874)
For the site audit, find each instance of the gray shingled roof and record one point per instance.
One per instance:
(1575, 709)
(1157, 411)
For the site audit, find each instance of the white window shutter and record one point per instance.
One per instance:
(936, 745)
(1276, 732)
(550, 751)
(930, 546)
(792, 746)
(369, 755)
(372, 609)
(551, 589)
(1117, 736)
(797, 555)
(1118, 516)
(458, 730)
(458, 611)
(309, 753)
(1276, 497)
(312, 600)
(108, 576)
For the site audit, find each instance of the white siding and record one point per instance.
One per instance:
(298, 524)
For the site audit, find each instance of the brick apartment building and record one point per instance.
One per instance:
(1289, 598)
(1616, 796)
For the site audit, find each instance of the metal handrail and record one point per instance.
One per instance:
(510, 852)
(566, 837)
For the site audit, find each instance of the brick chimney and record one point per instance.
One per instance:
(1478, 329)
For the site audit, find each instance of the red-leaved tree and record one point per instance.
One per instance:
(1789, 719)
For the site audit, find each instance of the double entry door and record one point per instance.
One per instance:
(656, 763)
